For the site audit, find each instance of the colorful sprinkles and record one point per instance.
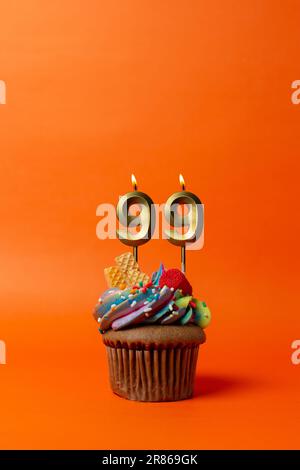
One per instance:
(154, 302)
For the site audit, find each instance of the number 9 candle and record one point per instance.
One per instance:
(193, 220)
(144, 221)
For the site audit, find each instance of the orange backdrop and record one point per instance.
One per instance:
(95, 91)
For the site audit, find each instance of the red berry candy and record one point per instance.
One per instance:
(175, 278)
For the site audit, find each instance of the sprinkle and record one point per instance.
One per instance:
(171, 307)
(100, 300)
(130, 296)
(135, 287)
(133, 303)
(146, 302)
(99, 320)
(147, 314)
(149, 284)
(153, 291)
(144, 290)
(141, 283)
(110, 291)
(172, 289)
(148, 309)
(113, 307)
(123, 297)
(192, 304)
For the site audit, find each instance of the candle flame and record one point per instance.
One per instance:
(182, 182)
(134, 182)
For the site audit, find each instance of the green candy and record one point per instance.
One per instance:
(202, 313)
(183, 302)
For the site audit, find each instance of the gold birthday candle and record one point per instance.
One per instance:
(192, 221)
(137, 229)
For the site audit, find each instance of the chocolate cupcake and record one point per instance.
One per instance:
(152, 332)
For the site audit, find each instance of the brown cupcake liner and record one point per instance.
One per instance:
(153, 375)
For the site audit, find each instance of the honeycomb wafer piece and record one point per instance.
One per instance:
(115, 277)
(135, 276)
(126, 262)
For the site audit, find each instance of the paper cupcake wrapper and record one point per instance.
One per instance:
(153, 375)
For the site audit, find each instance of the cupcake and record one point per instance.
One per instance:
(152, 330)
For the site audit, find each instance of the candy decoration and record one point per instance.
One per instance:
(183, 302)
(131, 270)
(136, 276)
(126, 273)
(115, 277)
(202, 314)
(126, 262)
(163, 300)
(176, 279)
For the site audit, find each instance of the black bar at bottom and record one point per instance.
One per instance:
(138, 458)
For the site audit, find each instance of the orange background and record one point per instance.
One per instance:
(96, 91)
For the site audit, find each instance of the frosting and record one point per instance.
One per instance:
(161, 301)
